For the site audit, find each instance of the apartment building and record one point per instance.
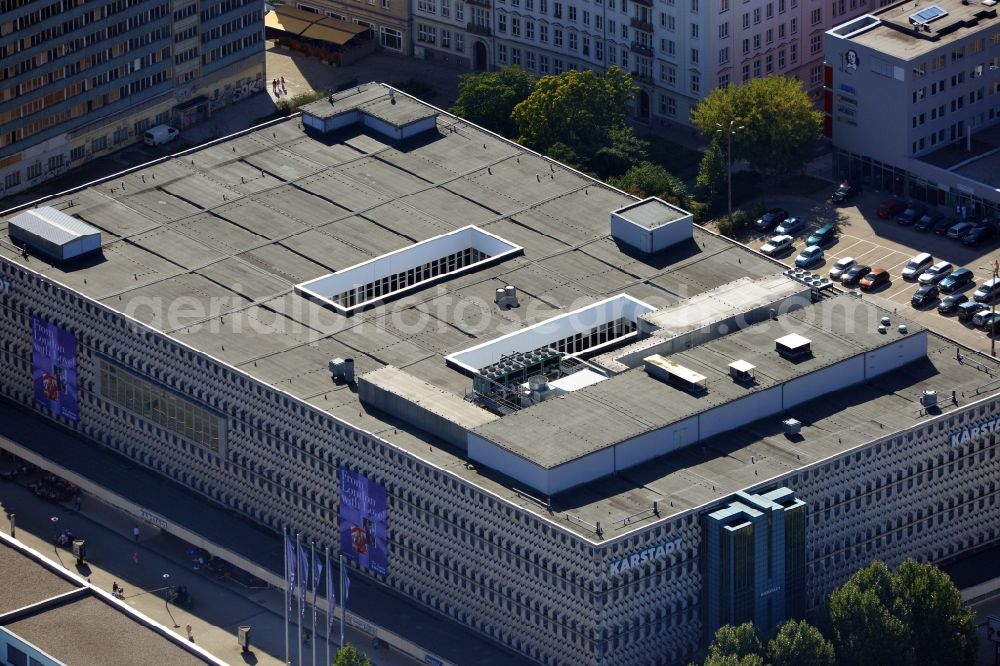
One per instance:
(913, 103)
(79, 80)
(677, 50)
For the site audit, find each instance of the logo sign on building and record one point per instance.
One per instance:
(53, 368)
(363, 512)
(650, 554)
(967, 434)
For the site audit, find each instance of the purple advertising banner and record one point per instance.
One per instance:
(363, 536)
(53, 368)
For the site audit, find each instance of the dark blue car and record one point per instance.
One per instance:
(961, 277)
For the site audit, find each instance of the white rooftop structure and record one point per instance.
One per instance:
(54, 233)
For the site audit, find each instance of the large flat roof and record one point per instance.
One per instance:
(207, 247)
(69, 620)
(894, 34)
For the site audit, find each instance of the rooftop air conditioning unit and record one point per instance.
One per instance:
(793, 345)
(343, 369)
(792, 426)
(742, 371)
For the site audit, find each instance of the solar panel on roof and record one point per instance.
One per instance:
(928, 14)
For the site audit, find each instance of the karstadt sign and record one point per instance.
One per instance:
(965, 435)
(652, 553)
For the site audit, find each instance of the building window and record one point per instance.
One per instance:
(165, 408)
(501, 23)
(695, 83)
(55, 162)
(515, 26)
(502, 53)
(723, 55)
(460, 42)
(99, 144)
(815, 44)
(816, 16)
(392, 39)
(77, 153)
(445, 39)
(426, 33)
(34, 171)
(515, 56)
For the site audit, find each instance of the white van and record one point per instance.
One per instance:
(914, 267)
(987, 291)
(160, 134)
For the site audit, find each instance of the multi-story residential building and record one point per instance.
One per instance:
(913, 103)
(677, 50)
(79, 80)
(510, 393)
(389, 20)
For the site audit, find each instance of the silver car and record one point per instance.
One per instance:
(841, 267)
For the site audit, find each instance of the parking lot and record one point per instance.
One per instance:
(886, 244)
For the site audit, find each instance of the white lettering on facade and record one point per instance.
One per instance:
(965, 435)
(649, 554)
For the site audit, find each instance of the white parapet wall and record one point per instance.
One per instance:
(545, 333)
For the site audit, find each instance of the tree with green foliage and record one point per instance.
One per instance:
(488, 98)
(733, 660)
(797, 643)
(579, 108)
(712, 176)
(737, 642)
(652, 180)
(908, 617)
(622, 151)
(351, 656)
(781, 127)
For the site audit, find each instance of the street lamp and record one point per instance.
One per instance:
(730, 131)
(55, 532)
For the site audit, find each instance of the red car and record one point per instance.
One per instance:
(890, 208)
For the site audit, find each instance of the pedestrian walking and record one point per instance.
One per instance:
(135, 533)
(135, 556)
(114, 589)
(283, 88)
(190, 634)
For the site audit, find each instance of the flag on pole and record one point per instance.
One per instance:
(330, 599)
(347, 585)
(303, 579)
(317, 573)
(290, 576)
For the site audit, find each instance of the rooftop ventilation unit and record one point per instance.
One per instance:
(673, 373)
(742, 371)
(651, 225)
(793, 345)
(342, 369)
(929, 399)
(54, 234)
(792, 426)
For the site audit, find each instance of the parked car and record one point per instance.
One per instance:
(841, 267)
(966, 311)
(935, 273)
(913, 212)
(917, 265)
(160, 134)
(875, 279)
(854, 274)
(924, 296)
(987, 291)
(792, 225)
(950, 304)
(890, 208)
(979, 318)
(959, 279)
(845, 192)
(771, 219)
(943, 226)
(822, 236)
(809, 256)
(960, 229)
(927, 222)
(979, 234)
(991, 323)
(777, 245)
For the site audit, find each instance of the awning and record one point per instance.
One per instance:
(344, 26)
(327, 34)
(295, 12)
(287, 24)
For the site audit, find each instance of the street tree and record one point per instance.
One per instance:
(781, 126)
(739, 642)
(908, 617)
(579, 108)
(712, 176)
(652, 180)
(733, 660)
(797, 643)
(351, 656)
(488, 98)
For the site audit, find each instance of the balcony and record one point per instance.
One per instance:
(642, 78)
(479, 3)
(642, 26)
(476, 29)
(642, 49)
(644, 3)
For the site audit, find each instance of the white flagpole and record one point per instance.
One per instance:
(315, 584)
(284, 545)
(329, 606)
(298, 580)
(343, 599)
